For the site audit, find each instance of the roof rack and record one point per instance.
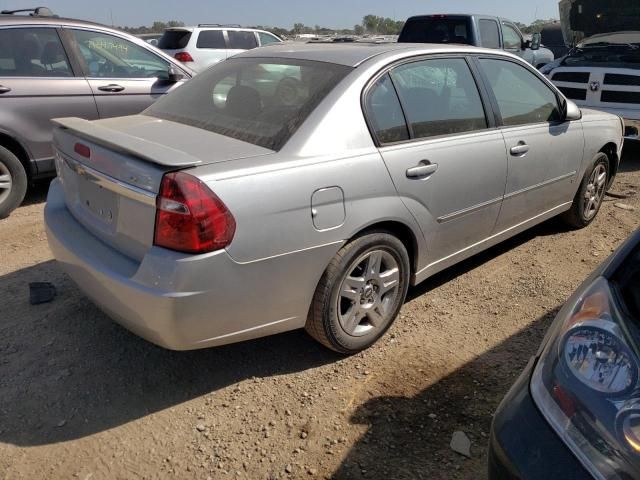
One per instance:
(235, 25)
(34, 12)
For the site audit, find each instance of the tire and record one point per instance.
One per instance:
(360, 293)
(589, 197)
(13, 182)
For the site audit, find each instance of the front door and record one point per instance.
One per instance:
(125, 78)
(37, 83)
(544, 152)
(447, 165)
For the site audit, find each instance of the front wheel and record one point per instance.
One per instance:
(590, 195)
(13, 182)
(360, 294)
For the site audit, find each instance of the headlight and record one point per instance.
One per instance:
(586, 384)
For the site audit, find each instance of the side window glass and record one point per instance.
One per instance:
(241, 40)
(32, 52)
(211, 39)
(384, 112)
(266, 39)
(510, 38)
(508, 81)
(489, 33)
(440, 97)
(108, 56)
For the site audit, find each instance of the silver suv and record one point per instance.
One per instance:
(56, 67)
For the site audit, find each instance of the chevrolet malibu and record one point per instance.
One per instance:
(309, 186)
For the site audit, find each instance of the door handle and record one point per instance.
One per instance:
(4, 89)
(112, 87)
(422, 170)
(519, 150)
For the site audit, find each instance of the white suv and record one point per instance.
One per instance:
(207, 44)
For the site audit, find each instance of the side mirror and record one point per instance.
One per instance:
(571, 111)
(174, 75)
(536, 40)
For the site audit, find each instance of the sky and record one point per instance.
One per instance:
(282, 13)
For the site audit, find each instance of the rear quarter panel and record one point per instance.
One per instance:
(600, 129)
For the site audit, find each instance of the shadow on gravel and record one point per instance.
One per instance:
(37, 193)
(402, 442)
(67, 371)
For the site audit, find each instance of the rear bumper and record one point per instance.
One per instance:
(523, 445)
(180, 301)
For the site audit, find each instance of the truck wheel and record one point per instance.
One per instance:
(13, 182)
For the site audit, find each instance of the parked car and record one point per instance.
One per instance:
(208, 44)
(602, 72)
(54, 67)
(574, 412)
(310, 185)
(478, 30)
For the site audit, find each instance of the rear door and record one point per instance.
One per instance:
(447, 163)
(38, 82)
(239, 41)
(210, 48)
(125, 77)
(544, 152)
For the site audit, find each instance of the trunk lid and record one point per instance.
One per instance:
(112, 190)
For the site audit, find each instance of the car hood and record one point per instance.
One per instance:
(622, 37)
(163, 142)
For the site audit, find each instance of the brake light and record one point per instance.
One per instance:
(190, 217)
(183, 57)
(82, 150)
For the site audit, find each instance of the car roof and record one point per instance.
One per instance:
(353, 54)
(43, 20)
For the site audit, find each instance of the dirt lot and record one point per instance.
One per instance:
(81, 397)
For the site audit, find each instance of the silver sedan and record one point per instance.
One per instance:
(310, 186)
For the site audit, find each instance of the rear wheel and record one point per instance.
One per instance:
(13, 182)
(590, 195)
(360, 293)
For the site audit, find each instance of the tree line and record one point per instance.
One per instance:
(371, 24)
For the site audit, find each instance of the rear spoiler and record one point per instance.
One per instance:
(114, 140)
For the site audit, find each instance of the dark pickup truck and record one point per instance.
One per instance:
(478, 30)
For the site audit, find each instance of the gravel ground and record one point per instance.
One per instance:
(80, 397)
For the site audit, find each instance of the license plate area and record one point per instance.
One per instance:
(100, 203)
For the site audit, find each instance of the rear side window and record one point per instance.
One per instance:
(508, 81)
(32, 52)
(437, 29)
(266, 39)
(385, 113)
(256, 100)
(241, 40)
(440, 97)
(489, 33)
(174, 39)
(211, 39)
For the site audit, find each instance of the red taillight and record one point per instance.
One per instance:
(183, 57)
(190, 217)
(82, 150)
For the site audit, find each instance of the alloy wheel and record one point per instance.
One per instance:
(368, 293)
(595, 191)
(6, 182)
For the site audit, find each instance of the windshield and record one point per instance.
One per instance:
(257, 100)
(437, 29)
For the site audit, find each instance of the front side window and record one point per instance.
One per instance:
(522, 97)
(211, 39)
(489, 33)
(32, 52)
(385, 113)
(256, 100)
(241, 40)
(266, 38)
(510, 38)
(440, 97)
(108, 56)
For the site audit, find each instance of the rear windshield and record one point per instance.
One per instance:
(174, 39)
(437, 29)
(257, 100)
